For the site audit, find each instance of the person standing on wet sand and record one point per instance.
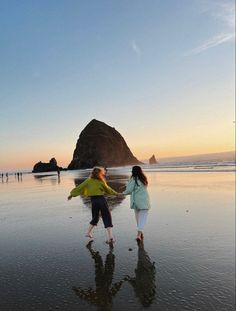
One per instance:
(96, 187)
(139, 200)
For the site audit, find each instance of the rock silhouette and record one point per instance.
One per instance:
(46, 167)
(101, 144)
(153, 160)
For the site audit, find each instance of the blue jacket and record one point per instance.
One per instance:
(139, 195)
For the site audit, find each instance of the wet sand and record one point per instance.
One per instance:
(185, 263)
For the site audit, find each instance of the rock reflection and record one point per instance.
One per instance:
(105, 290)
(144, 282)
(55, 179)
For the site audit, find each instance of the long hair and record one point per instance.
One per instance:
(96, 173)
(137, 173)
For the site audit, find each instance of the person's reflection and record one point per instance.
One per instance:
(144, 282)
(104, 292)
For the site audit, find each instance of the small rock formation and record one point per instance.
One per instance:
(46, 167)
(153, 160)
(101, 144)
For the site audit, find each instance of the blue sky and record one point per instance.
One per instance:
(160, 72)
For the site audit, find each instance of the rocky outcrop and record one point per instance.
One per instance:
(153, 160)
(101, 144)
(46, 167)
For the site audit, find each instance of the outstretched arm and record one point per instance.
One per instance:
(109, 190)
(78, 190)
(129, 187)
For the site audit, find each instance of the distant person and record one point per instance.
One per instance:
(139, 201)
(7, 175)
(58, 175)
(96, 187)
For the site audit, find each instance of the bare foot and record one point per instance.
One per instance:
(89, 235)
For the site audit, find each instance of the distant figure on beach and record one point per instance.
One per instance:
(139, 201)
(58, 175)
(96, 187)
(105, 290)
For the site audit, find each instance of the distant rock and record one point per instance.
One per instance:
(153, 160)
(46, 167)
(101, 144)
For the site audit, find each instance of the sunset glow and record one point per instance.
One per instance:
(144, 68)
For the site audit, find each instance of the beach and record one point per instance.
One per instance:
(185, 263)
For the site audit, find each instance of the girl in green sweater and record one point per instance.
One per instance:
(96, 187)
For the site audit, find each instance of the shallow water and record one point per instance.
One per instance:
(186, 262)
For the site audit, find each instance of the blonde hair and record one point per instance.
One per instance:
(96, 173)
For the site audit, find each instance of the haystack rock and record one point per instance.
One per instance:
(46, 167)
(153, 160)
(101, 144)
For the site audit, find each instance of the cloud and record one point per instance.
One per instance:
(212, 42)
(136, 48)
(225, 12)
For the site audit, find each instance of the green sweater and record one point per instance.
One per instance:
(92, 187)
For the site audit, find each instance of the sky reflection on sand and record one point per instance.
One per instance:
(189, 236)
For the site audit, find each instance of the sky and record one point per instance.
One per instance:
(160, 72)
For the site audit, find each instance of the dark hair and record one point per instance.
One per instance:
(137, 173)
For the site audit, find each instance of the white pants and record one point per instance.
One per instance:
(141, 218)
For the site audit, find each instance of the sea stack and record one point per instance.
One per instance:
(51, 166)
(101, 144)
(153, 160)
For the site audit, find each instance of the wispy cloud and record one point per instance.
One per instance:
(136, 48)
(225, 12)
(210, 43)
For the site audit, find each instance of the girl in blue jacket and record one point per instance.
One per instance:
(139, 200)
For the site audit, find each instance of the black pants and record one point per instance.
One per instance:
(99, 204)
